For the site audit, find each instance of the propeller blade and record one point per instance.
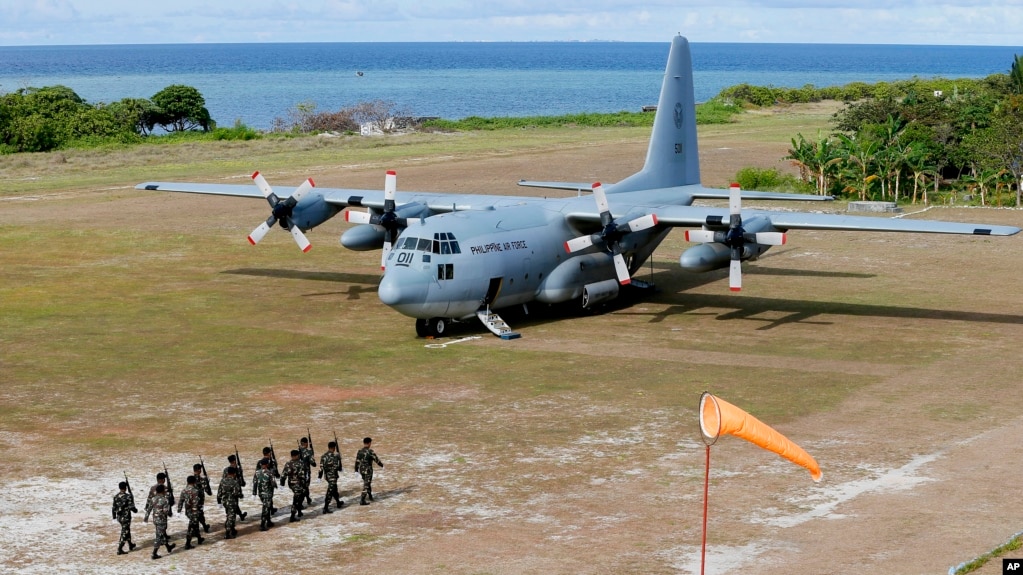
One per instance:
(262, 184)
(770, 238)
(390, 185)
(642, 223)
(601, 198)
(358, 217)
(735, 276)
(580, 243)
(734, 199)
(383, 257)
(622, 270)
(302, 190)
(258, 233)
(300, 239)
(702, 236)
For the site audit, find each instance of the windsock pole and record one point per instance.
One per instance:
(708, 441)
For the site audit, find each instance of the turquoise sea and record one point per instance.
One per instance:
(255, 83)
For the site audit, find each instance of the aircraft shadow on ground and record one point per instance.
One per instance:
(775, 312)
(361, 283)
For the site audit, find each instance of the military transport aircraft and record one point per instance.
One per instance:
(452, 257)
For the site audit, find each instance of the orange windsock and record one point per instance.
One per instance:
(717, 416)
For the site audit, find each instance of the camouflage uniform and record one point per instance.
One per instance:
(264, 485)
(228, 493)
(364, 461)
(160, 507)
(202, 485)
(294, 474)
(149, 502)
(191, 501)
(124, 505)
(330, 468)
(241, 483)
(308, 459)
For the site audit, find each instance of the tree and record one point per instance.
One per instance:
(1016, 74)
(180, 108)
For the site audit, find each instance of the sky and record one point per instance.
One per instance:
(71, 22)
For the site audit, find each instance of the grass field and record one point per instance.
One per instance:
(139, 328)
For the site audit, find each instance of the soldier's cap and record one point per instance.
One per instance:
(161, 476)
(230, 458)
(367, 440)
(197, 467)
(295, 452)
(190, 479)
(123, 485)
(161, 488)
(231, 470)
(264, 461)
(305, 440)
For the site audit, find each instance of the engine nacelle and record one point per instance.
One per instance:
(312, 211)
(600, 292)
(714, 256)
(363, 238)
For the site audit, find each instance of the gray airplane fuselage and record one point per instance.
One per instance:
(454, 263)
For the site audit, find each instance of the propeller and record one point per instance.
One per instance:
(281, 211)
(735, 237)
(611, 234)
(388, 220)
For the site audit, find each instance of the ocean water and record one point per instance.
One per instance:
(255, 83)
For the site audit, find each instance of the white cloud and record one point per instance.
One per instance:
(869, 21)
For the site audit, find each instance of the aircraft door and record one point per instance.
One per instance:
(493, 290)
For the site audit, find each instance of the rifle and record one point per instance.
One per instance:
(205, 477)
(337, 446)
(309, 435)
(170, 490)
(238, 462)
(128, 483)
(273, 459)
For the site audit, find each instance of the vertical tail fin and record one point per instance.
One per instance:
(673, 156)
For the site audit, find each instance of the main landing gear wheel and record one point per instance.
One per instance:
(433, 327)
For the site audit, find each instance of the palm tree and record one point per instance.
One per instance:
(860, 155)
(1016, 74)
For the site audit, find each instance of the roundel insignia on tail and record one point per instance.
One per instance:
(678, 115)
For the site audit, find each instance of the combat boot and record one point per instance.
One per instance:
(363, 501)
(171, 546)
(188, 543)
(156, 555)
(340, 503)
(131, 545)
(120, 549)
(206, 527)
(370, 493)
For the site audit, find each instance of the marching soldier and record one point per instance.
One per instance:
(202, 485)
(364, 461)
(191, 502)
(232, 462)
(124, 506)
(160, 507)
(294, 474)
(264, 485)
(308, 458)
(161, 479)
(268, 454)
(228, 493)
(330, 468)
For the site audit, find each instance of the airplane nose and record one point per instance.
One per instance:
(402, 287)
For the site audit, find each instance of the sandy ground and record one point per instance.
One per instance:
(909, 486)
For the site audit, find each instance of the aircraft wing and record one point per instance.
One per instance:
(346, 197)
(692, 216)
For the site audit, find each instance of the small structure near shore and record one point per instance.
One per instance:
(874, 207)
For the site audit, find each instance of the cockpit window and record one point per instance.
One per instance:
(445, 243)
(409, 244)
(424, 245)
